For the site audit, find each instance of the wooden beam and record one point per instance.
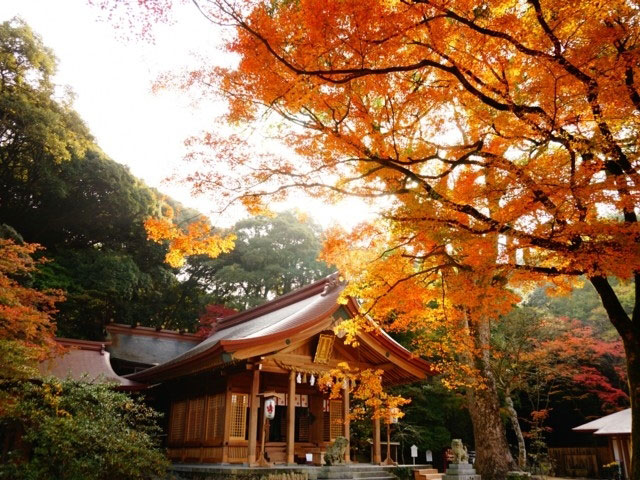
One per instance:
(268, 365)
(291, 418)
(281, 343)
(253, 416)
(345, 413)
(306, 362)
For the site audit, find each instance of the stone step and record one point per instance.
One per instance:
(427, 474)
(352, 472)
(372, 472)
(371, 476)
(355, 476)
(376, 478)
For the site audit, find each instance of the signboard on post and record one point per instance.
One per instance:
(414, 453)
(429, 456)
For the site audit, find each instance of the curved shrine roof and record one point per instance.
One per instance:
(86, 361)
(278, 319)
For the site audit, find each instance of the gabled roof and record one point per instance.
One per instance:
(87, 361)
(308, 309)
(618, 423)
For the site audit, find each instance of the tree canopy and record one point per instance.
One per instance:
(272, 256)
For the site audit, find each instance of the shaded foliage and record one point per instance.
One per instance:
(78, 431)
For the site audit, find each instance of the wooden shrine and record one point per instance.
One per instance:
(214, 392)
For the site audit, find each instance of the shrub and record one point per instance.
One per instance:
(70, 430)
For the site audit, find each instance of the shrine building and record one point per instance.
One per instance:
(213, 390)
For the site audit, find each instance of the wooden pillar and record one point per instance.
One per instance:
(291, 418)
(388, 460)
(227, 424)
(253, 416)
(345, 416)
(377, 452)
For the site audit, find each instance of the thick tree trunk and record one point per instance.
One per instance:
(513, 416)
(629, 330)
(633, 369)
(493, 458)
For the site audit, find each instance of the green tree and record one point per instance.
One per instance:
(58, 189)
(272, 256)
(36, 131)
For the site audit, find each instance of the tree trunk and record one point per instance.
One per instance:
(633, 369)
(493, 458)
(513, 416)
(629, 330)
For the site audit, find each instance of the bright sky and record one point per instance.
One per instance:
(112, 81)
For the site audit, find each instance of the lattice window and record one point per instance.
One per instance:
(239, 404)
(195, 419)
(176, 423)
(336, 419)
(326, 427)
(302, 429)
(215, 417)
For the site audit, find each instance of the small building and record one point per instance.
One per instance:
(617, 428)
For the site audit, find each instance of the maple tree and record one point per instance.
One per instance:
(501, 132)
(197, 238)
(26, 314)
(544, 357)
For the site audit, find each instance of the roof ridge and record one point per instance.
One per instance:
(324, 285)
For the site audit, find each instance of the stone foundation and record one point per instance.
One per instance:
(461, 471)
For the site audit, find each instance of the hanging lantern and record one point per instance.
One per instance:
(312, 380)
(270, 401)
(270, 408)
(299, 378)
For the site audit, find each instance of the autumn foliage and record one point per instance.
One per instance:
(197, 238)
(26, 314)
(499, 139)
(366, 387)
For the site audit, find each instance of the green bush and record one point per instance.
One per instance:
(70, 430)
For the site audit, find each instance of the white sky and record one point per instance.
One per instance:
(112, 81)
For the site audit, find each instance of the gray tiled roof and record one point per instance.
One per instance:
(288, 312)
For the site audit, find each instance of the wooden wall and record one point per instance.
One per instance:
(580, 461)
